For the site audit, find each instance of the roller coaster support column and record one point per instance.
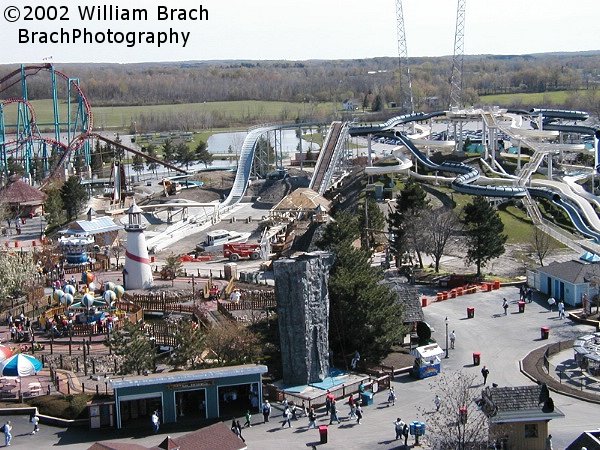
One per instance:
(23, 123)
(3, 140)
(484, 140)
(549, 163)
(55, 104)
(369, 150)
(519, 155)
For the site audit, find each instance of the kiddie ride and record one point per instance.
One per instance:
(427, 361)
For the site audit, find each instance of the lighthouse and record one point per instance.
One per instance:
(137, 273)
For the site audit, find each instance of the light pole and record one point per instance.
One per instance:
(446, 336)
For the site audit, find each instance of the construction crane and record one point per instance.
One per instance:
(456, 77)
(405, 81)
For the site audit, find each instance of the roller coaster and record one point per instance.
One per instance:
(43, 149)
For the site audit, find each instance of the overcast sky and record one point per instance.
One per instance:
(317, 29)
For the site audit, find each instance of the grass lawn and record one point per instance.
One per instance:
(517, 226)
(534, 98)
(237, 111)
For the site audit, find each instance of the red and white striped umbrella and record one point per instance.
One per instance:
(5, 352)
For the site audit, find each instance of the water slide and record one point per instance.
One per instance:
(317, 182)
(573, 213)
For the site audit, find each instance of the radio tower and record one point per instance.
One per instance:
(456, 83)
(405, 81)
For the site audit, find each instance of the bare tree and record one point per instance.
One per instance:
(541, 244)
(459, 423)
(117, 250)
(440, 225)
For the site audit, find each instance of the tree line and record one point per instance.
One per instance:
(319, 81)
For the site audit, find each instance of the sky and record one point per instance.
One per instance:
(292, 30)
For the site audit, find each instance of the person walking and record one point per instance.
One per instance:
(239, 430)
(437, 401)
(352, 405)
(561, 310)
(266, 410)
(505, 306)
(398, 427)
(7, 433)
(155, 421)
(551, 302)
(549, 442)
(328, 399)
(248, 422)
(35, 420)
(405, 432)
(485, 372)
(312, 417)
(287, 415)
(392, 397)
(334, 415)
(359, 414)
(452, 339)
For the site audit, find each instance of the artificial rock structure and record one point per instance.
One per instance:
(303, 314)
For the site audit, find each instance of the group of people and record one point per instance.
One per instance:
(20, 328)
(525, 293)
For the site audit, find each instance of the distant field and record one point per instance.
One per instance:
(532, 99)
(122, 116)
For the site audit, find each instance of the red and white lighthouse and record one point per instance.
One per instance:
(137, 273)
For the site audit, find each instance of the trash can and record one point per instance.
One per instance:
(323, 434)
(476, 358)
(488, 287)
(470, 312)
(545, 332)
(423, 302)
(367, 398)
(496, 284)
(521, 307)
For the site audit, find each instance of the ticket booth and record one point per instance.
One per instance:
(427, 361)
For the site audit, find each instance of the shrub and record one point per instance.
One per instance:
(65, 407)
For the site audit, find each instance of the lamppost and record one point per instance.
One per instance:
(446, 321)
(42, 227)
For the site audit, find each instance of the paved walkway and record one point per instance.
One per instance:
(502, 341)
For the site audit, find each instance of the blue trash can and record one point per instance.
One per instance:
(367, 398)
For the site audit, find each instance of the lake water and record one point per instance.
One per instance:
(220, 142)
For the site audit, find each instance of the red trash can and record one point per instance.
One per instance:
(496, 284)
(423, 302)
(545, 332)
(476, 358)
(521, 307)
(323, 434)
(470, 312)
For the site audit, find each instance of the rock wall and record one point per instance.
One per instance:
(303, 315)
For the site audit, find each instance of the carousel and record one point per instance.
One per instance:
(75, 247)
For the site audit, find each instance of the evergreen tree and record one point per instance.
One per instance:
(484, 230)
(378, 103)
(119, 152)
(151, 165)
(411, 200)
(134, 349)
(355, 292)
(203, 155)
(184, 155)
(189, 346)
(96, 158)
(373, 223)
(168, 151)
(137, 164)
(74, 197)
(54, 207)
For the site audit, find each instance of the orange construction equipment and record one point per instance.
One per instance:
(236, 251)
